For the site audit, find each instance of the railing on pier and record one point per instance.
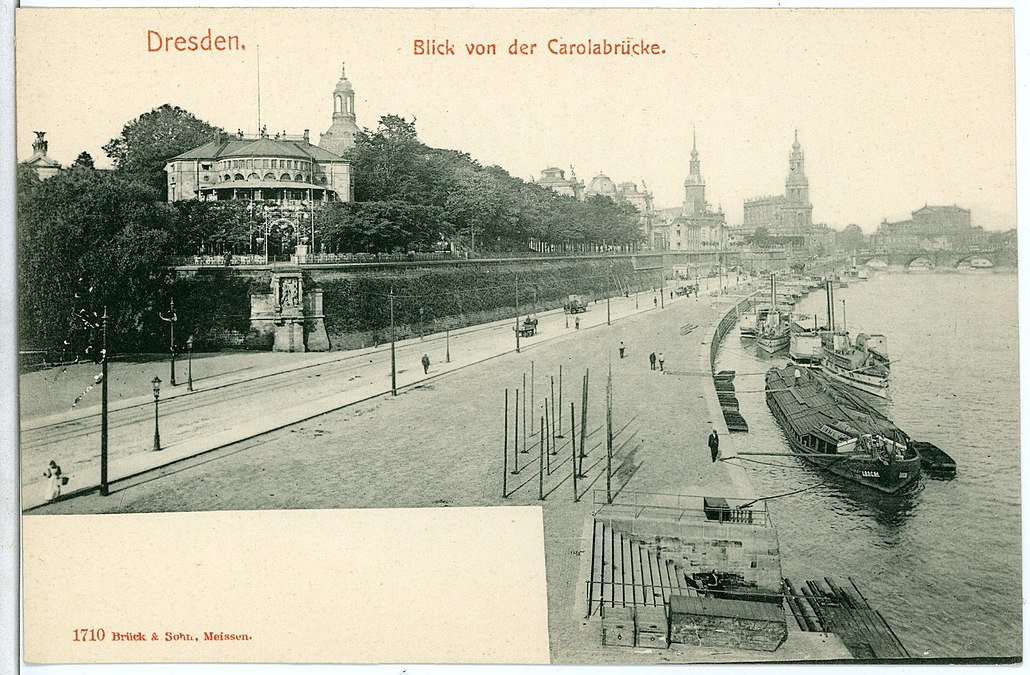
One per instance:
(637, 505)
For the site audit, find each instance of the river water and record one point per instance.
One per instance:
(942, 563)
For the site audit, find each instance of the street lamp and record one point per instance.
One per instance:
(157, 396)
(171, 318)
(189, 367)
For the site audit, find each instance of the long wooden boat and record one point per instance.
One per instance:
(825, 429)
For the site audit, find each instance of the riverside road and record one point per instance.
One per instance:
(441, 443)
(241, 396)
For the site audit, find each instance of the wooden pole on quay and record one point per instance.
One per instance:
(575, 472)
(532, 392)
(608, 415)
(545, 431)
(583, 421)
(553, 431)
(561, 433)
(541, 494)
(516, 453)
(525, 436)
(504, 480)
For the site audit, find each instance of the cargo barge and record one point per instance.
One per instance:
(823, 429)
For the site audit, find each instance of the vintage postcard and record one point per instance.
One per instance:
(578, 336)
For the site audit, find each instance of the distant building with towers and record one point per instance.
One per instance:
(694, 226)
(281, 170)
(787, 214)
(786, 217)
(601, 185)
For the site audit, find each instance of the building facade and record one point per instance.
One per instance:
(283, 170)
(931, 228)
(786, 217)
(554, 179)
(694, 226)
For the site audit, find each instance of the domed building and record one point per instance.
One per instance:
(554, 179)
(601, 185)
(287, 171)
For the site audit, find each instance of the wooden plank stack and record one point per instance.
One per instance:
(843, 610)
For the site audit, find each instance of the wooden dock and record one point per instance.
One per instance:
(840, 608)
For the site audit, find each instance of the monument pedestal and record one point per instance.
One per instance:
(289, 318)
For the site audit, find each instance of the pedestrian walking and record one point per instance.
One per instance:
(425, 363)
(622, 350)
(656, 301)
(54, 480)
(797, 376)
(713, 444)
(652, 358)
(577, 323)
(661, 362)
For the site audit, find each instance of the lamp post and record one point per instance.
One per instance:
(393, 350)
(171, 318)
(189, 366)
(104, 489)
(157, 396)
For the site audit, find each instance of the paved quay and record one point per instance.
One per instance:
(440, 444)
(247, 388)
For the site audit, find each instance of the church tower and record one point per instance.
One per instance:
(694, 185)
(797, 209)
(340, 136)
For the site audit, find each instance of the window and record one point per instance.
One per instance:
(285, 176)
(269, 176)
(206, 166)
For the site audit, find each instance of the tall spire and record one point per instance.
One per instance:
(693, 152)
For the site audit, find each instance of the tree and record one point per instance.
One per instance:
(851, 239)
(84, 160)
(96, 225)
(149, 141)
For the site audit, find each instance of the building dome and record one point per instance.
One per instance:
(601, 185)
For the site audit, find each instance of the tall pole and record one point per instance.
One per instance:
(554, 432)
(546, 435)
(541, 492)
(504, 472)
(189, 366)
(575, 470)
(157, 431)
(171, 319)
(448, 338)
(532, 393)
(393, 350)
(525, 436)
(583, 421)
(516, 430)
(560, 431)
(104, 489)
(608, 416)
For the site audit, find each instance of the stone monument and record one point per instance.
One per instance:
(290, 314)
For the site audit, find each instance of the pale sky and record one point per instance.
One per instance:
(894, 108)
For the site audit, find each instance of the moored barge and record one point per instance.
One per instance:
(823, 429)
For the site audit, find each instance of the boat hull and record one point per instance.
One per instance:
(878, 387)
(771, 344)
(889, 478)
